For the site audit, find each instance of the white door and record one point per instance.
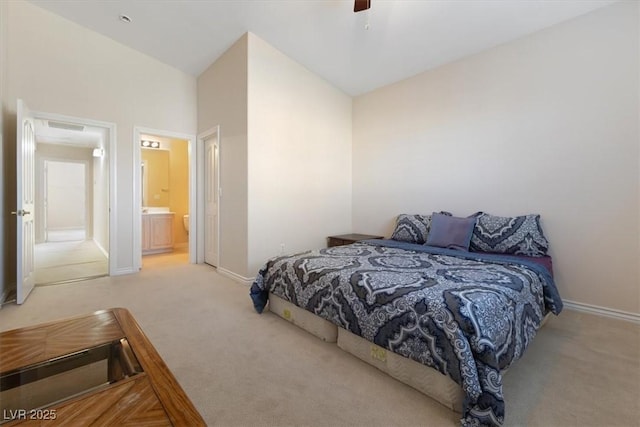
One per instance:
(211, 193)
(25, 189)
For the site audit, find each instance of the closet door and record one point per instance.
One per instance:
(212, 196)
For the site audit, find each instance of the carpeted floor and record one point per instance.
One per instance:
(62, 261)
(244, 369)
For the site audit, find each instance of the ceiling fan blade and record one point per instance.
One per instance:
(361, 5)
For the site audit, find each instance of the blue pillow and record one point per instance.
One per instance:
(450, 232)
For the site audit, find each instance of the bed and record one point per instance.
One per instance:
(458, 318)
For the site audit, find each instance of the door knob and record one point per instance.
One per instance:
(21, 212)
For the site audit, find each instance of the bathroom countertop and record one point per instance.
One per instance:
(158, 213)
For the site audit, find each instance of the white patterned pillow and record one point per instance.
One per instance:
(520, 235)
(412, 228)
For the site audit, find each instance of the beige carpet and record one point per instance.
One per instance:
(69, 260)
(66, 235)
(244, 369)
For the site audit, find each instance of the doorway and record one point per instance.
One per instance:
(163, 195)
(72, 202)
(67, 131)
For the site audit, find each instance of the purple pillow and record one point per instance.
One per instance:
(450, 232)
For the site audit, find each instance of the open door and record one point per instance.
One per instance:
(25, 189)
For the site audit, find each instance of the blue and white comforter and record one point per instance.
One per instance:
(468, 315)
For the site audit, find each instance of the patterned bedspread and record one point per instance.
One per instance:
(468, 315)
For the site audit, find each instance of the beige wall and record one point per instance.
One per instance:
(285, 162)
(222, 100)
(57, 66)
(179, 187)
(545, 124)
(5, 276)
(155, 181)
(299, 156)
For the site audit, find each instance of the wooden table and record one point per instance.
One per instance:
(347, 239)
(147, 395)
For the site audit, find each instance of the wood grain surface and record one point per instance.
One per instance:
(26, 346)
(151, 398)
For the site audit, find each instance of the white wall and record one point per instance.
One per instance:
(63, 153)
(101, 203)
(57, 66)
(299, 156)
(222, 100)
(66, 195)
(545, 124)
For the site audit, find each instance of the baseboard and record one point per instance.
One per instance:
(64, 228)
(236, 277)
(602, 311)
(123, 271)
(104, 252)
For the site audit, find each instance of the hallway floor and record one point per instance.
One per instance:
(66, 261)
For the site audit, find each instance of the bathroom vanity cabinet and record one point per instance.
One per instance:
(157, 232)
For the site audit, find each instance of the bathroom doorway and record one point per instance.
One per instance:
(163, 184)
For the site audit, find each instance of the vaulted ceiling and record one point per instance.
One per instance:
(356, 52)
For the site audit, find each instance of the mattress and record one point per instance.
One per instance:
(308, 321)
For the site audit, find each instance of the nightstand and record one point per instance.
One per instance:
(347, 239)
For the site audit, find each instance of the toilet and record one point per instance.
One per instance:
(185, 222)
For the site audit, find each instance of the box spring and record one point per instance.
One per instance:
(308, 321)
(423, 378)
